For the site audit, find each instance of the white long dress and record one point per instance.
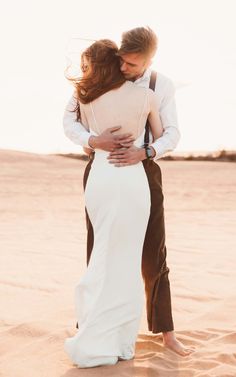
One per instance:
(109, 298)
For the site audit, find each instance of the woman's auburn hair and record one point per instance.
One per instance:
(104, 72)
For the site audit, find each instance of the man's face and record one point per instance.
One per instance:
(133, 65)
(85, 66)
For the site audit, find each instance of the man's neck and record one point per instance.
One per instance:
(139, 76)
(145, 75)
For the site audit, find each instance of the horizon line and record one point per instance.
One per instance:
(174, 152)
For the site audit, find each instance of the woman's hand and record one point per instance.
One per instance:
(88, 151)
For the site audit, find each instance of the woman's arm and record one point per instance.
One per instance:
(84, 121)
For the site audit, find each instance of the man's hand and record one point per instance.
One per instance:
(127, 156)
(107, 141)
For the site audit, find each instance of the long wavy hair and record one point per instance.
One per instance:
(103, 73)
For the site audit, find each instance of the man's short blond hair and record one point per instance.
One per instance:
(141, 40)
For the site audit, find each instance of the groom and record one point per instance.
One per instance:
(138, 46)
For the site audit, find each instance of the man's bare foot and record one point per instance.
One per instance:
(170, 341)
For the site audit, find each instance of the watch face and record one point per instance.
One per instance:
(148, 152)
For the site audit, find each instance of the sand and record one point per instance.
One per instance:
(43, 254)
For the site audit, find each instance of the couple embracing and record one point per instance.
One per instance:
(124, 116)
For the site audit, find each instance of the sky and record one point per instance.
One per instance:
(197, 50)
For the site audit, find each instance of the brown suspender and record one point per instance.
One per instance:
(152, 85)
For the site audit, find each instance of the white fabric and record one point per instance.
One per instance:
(165, 91)
(109, 298)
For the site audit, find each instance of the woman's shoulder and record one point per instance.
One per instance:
(131, 90)
(130, 85)
(140, 89)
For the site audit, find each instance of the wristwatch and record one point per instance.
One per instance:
(148, 151)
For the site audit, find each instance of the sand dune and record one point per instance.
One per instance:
(42, 241)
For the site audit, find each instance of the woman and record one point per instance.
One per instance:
(110, 295)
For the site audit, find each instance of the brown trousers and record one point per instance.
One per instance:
(154, 268)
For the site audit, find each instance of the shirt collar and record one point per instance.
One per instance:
(145, 77)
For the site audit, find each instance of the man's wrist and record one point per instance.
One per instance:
(153, 153)
(142, 154)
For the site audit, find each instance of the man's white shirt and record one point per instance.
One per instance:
(165, 91)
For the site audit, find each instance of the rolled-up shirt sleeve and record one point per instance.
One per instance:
(77, 132)
(168, 114)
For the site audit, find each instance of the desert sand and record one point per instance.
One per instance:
(43, 255)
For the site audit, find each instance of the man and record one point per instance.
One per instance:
(138, 46)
